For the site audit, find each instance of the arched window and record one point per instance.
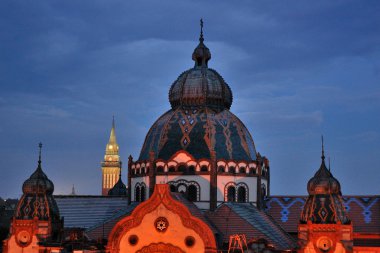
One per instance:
(191, 169)
(242, 170)
(231, 193)
(192, 193)
(182, 168)
(221, 169)
(252, 171)
(171, 169)
(160, 169)
(231, 169)
(204, 168)
(137, 193)
(142, 195)
(241, 194)
(172, 188)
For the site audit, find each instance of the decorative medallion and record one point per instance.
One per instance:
(161, 224)
(23, 238)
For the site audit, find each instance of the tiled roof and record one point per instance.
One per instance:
(244, 218)
(103, 228)
(87, 211)
(194, 210)
(364, 212)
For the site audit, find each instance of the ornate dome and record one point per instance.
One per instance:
(324, 204)
(200, 86)
(37, 200)
(200, 121)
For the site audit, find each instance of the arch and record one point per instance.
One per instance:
(137, 193)
(192, 193)
(142, 194)
(204, 168)
(241, 194)
(191, 169)
(175, 185)
(160, 248)
(231, 192)
(160, 169)
(182, 168)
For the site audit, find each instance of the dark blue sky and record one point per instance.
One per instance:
(297, 69)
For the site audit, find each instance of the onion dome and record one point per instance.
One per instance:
(200, 121)
(119, 189)
(324, 204)
(200, 86)
(37, 199)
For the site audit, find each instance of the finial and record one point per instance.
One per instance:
(201, 39)
(323, 150)
(39, 156)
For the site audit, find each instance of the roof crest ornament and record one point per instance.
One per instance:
(201, 39)
(39, 155)
(323, 150)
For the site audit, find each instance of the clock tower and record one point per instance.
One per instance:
(111, 166)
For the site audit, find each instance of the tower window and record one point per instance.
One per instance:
(160, 169)
(231, 193)
(171, 169)
(204, 168)
(231, 169)
(182, 168)
(221, 169)
(242, 170)
(191, 169)
(241, 194)
(192, 193)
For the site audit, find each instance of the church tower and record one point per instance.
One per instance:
(324, 226)
(111, 166)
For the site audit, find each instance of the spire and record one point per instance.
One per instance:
(323, 150)
(112, 139)
(329, 164)
(201, 39)
(73, 190)
(39, 155)
(201, 54)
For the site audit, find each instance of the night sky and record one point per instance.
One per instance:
(297, 69)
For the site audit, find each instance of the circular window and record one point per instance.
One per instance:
(189, 241)
(161, 224)
(133, 240)
(324, 243)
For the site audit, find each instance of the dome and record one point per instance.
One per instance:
(200, 121)
(200, 86)
(37, 199)
(324, 204)
(323, 182)
(199, 131)
(38, 183)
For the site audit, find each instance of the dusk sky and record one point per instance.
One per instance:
(297, 70)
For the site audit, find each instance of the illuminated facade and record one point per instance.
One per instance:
(111, 166)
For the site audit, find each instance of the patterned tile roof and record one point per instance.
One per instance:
(87, 211)
(244, 218)
(364, 212)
